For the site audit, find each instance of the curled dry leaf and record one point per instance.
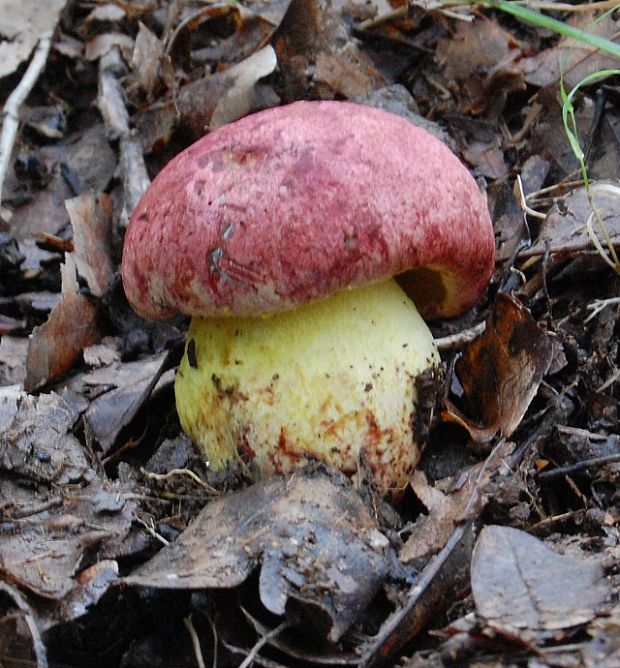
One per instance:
(239, 98)
(58, 343)
(254, 22)
(99, 45)
(131, 384)
(518, 582)
(91, 220)
(500, 371)
(145, 60)
(209, 102)
(327, 581)
(463, 500)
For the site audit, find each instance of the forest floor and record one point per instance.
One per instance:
(118, 545)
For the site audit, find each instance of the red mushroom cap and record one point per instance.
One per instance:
(293, 203)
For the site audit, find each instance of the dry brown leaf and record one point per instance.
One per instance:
(336, 573)
(107, 13)
(100, 44)
(481, 58)
(463, 499)
(487, 158)
(88, 156)
(500, 371)
(209, 102)
(564, 229)
(22, 24)
(91, 219)
(146, 57)
(570, 58)
(44, 555)
(347, 72)
(518, 582)
(131, 384)
(240, 81)
(316, 49)
(58, 343)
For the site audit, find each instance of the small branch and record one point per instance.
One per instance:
(111, 103)
(10, 113)
(599, 304)
(578, 466)
(29, 619)
(249, 659)
(180, 472)
(460, 338)
(195, 641)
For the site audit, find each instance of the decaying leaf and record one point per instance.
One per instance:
(72, 325)
(91, 220)
(570, 58)
(87, 157)
(250, 26)
(127, 387)
(444, 575)
(460, 499)
(145, 60)
(37, 440)
(315, 49)
(240, 80)
(99, 45)
(500, 371)
(347, 71)
(22, 24)
(518, 582)
(210, 101)
(21, 638)
(481, 58)
(564, 230)
(44, 556)
(321, 554)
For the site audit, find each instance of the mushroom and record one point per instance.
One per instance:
(280, 235)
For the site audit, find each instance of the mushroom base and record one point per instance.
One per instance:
(333, 380)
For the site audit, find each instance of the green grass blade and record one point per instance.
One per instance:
(544, 21)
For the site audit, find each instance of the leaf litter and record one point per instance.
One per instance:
(116, 535)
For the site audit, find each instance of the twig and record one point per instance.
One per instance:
(29, 618)
(578, 466)
(10, 112)
(599, 304)
(527, 210)
(195, 641)
(149, 529)
(460, 338)
(180, 472)
(111, 104)
(249, 659)
(215, 638)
